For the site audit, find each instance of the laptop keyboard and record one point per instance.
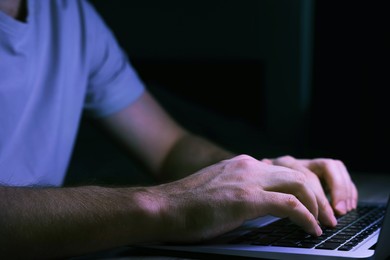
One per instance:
(351, 229)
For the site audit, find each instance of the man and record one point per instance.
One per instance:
(57, 60)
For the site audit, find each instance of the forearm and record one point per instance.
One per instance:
(190, 154)
(61, 222)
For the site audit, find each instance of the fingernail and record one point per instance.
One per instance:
(334, 220)
(318, 231)
(341, 207)
(332, 217)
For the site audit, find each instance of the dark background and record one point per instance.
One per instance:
(267, 78)
(350, 106)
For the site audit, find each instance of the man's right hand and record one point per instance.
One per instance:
(222, 196)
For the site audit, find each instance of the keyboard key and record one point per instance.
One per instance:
(343, 237)
(345, 248)
(306, 245)
(265, 241)
(328, 245)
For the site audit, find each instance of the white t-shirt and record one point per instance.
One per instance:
(61, 62)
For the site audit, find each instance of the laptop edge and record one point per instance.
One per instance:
(222, 250)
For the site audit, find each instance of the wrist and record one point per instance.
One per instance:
(153, 214)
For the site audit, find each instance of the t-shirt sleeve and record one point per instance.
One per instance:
(113, 82)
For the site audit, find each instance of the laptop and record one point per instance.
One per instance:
(363, 233)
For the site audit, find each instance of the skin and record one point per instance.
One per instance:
(14, 8)
(206, 191)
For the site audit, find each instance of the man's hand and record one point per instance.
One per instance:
(210, 202)
(222, 196)
(333, 173)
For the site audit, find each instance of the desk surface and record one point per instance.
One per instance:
(372, 187)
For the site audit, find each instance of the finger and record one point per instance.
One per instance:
(347, 185)
(287, 205)
(338, 186)
(352, 191)
(325, 212)
(336, 181)
(267, 161)
(292, 182)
